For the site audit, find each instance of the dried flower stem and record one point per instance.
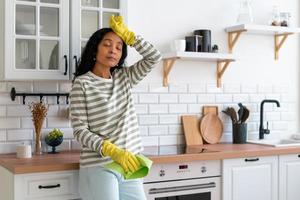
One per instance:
(38, 113)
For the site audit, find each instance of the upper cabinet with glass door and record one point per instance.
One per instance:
(36, 40)
(87, 17)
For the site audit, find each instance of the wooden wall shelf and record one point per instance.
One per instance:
(222, 59)
(280, 34)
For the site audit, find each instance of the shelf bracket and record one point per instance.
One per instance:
(232, 38)
(279, 39)
(168, 64)
(221, 67)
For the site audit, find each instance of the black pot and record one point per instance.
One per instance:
(206, 39)
(193, 43)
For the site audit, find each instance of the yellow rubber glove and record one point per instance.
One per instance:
(126, 159)
(117, 25)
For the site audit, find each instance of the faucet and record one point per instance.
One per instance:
(262, 130)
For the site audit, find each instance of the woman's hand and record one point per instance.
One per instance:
(126, 159)
(117, 25)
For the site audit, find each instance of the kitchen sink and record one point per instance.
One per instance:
(276, 142)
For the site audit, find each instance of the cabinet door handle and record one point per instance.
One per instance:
(66, 64)
(49, 186)
(251, 160)
(76, 61)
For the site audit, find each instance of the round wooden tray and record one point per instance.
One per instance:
(211, 128)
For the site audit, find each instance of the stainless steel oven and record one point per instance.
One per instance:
(199, 180)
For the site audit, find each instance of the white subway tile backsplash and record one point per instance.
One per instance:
(288, 98)
(143, 130)
(2, 135)
(288, 116)
(256, 98)
(159, 111)
(243, 98)
(274, 96)
(157, 88)
(196, 88)
(282, 89)
(20, 86)
(9, 147)
(187, 98)
(223, 98)
(169, 119)
(206, 98)
(265, 88)
(141, 108)
(2, 111)
(158, 130)
(148, 98)
(18, 110)
(3, 87)
(170, 140)
(140, 88)
(178, 108)
(249, 88)
(158, 108)
(279, 125)
(232, 88)
(10, 123)
(175, 130)
(6, 100)
(272, 116)
(150, 141)
(135, 98)
(58, 122)
(168, 98)
(19, 134)
(148, 119)
(195, 108)
(68, 133)
(65, 87)
(182, 88)
(212, 88)
(44, 86)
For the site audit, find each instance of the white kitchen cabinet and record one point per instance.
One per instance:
(36, 39)
(289, 177)
(36, 35)
(60, 185)
(250, 178)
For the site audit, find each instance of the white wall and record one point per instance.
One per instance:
(253, 77)
(164, 21)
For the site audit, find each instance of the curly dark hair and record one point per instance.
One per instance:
(87, 61)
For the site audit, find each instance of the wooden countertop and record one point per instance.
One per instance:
(69, 160)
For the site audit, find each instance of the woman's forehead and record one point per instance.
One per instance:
(112, 37)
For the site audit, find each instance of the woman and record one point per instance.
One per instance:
(102, 112)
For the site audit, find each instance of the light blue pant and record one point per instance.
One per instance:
(97, 183)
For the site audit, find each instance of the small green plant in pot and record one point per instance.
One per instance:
(54, 138)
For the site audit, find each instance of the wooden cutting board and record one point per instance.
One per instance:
(211, 128)
(191, 130)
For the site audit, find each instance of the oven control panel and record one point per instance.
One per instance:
(175, 171)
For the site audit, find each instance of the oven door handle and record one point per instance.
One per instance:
(182, 188)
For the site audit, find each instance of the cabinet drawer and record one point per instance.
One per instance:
(54, 185)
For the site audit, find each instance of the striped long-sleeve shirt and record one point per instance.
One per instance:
(103, 108)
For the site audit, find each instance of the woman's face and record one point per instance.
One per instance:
(109, 50)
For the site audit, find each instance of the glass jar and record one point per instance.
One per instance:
(285, 19)
(275, 20)
(245, 12)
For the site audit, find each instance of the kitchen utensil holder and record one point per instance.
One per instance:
(239, 133)
(13, 95)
